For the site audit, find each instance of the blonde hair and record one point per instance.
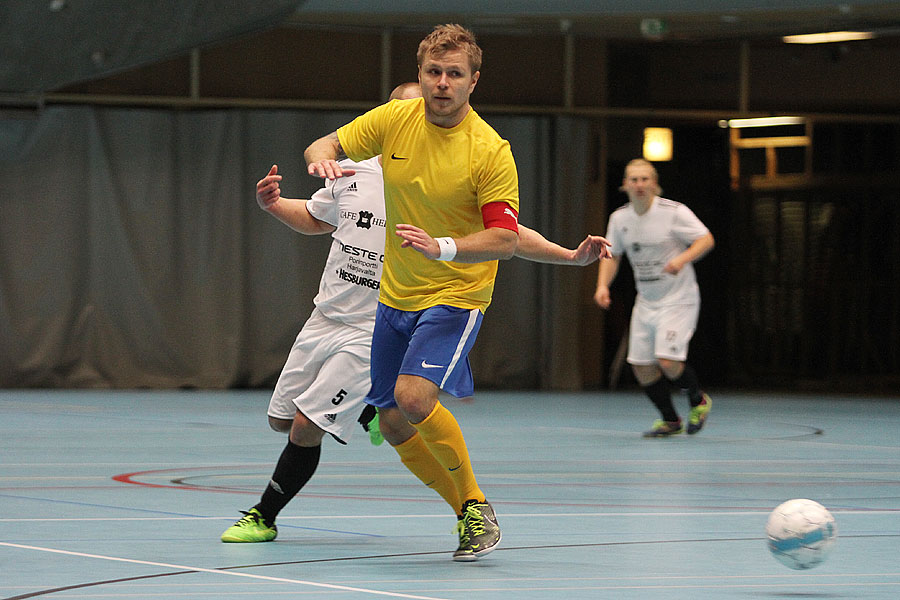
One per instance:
(641, 162)
(446, 38)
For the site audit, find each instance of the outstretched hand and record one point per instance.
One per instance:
(417, 239)
(328, 169)
(592, 248)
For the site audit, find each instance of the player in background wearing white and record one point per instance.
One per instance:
(662, 239)
(326, 375)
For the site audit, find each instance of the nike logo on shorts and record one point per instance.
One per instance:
(425, 365)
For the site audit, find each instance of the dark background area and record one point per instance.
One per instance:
(699, 178)
(802, 290)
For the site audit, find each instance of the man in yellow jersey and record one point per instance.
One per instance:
(326, 375)
(452, 201)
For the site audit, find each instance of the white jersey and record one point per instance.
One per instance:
(326, 374)
(348, 290)
(653, 239)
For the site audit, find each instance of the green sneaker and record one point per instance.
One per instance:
(482, 529)
(699, 414)
(662, 428)
(375, 432)
(369, 421)
(464, 552)
(250, 528)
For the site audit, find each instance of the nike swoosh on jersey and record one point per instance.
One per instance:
(425, 365)
(395, 157)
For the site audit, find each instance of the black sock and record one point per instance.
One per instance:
(659, 393)
(295, 466)
(688, 381)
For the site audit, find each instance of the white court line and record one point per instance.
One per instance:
(791, 577)
(171, 466)
(99, 477)
(505, 515)
(738, 586)
(220, 572)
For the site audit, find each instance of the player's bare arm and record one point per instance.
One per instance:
(290, 211)
(535, 247)
(322, 155)
(493, 243)
(605, 276)
(695, 251)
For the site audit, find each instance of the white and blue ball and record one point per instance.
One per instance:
(801, 533)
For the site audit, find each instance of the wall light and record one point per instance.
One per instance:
(761, 122)
(828, 37)
(657, 143)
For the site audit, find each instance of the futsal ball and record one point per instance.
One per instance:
(801, 533)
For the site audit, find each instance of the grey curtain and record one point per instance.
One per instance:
(132, 252)
(529, 338)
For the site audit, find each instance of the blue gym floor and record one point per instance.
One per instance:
(124, 495)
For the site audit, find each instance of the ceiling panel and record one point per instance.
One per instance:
(614, 19)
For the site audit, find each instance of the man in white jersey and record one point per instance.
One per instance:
(662, 239)
(326, 375)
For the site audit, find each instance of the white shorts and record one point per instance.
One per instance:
(661, 332)
(325, 377)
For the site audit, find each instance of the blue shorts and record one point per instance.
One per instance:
(433, 343)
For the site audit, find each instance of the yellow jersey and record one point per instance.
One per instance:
(438, 179)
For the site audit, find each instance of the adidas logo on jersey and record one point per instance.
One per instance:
(352, 187)
(331, 417)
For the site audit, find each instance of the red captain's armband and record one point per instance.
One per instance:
(500, 214)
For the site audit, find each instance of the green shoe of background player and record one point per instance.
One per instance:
(699, 414)
(662, 428)
(250, 528)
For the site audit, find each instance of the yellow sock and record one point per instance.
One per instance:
(444, 438)
(416, 456)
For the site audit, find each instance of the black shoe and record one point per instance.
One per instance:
(482, 528)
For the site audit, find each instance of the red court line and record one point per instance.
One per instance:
(129, 479)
